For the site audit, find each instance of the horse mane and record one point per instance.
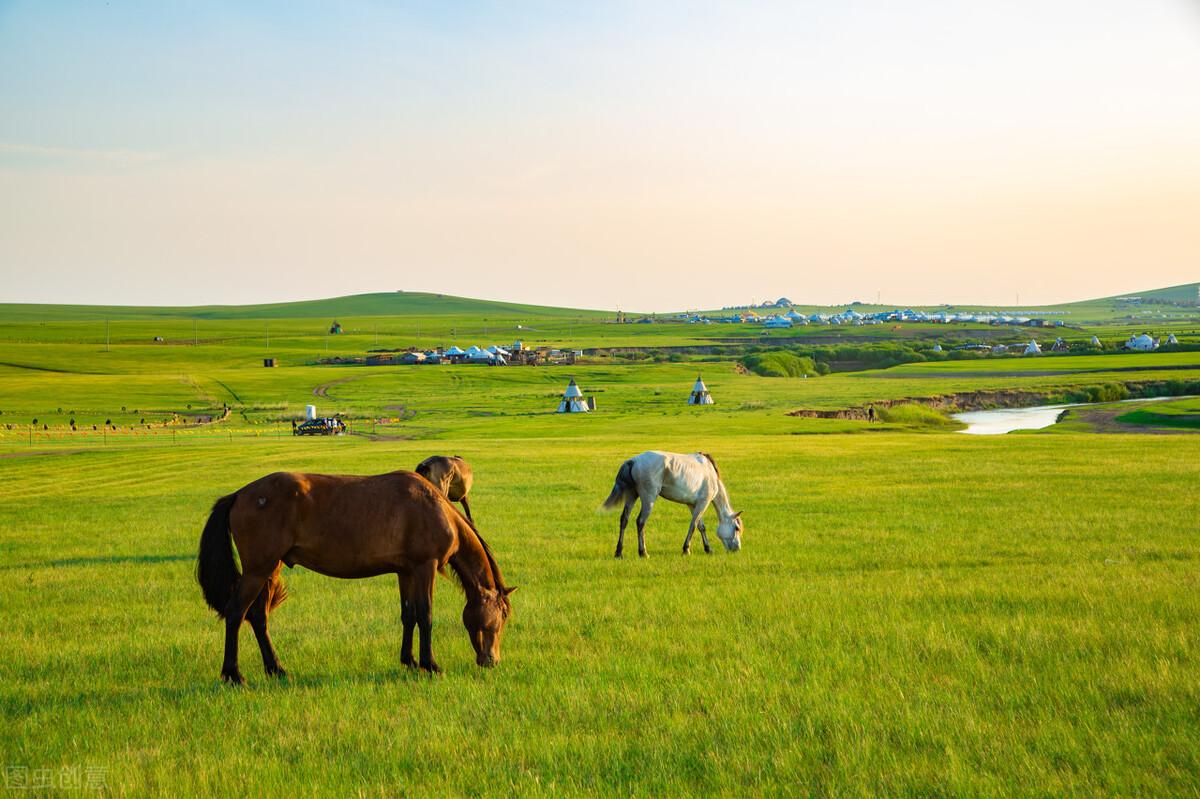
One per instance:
(714, 464)
(487, 551)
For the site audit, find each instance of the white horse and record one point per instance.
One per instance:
(691, 480)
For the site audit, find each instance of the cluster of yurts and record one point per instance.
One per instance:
(573, 400)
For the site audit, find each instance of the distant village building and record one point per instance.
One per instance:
(572, 400)
(700, 395)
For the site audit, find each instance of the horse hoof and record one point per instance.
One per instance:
(277, 673)
(432, 668)
(233, 677)
(643, 554)
(618, 554)
(687, 550)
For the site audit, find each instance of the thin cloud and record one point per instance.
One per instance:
(94, 155)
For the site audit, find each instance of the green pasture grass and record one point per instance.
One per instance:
(910, 615)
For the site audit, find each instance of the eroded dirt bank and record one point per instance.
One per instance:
(991, 398)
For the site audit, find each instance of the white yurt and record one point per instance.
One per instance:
(1142, 343)
(700, 395)
(572, 400)
(1032, 348)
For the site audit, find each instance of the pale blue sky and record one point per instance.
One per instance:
(652, 155)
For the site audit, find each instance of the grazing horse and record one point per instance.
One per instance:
(691, 480)
(452, 475)
(347, 526)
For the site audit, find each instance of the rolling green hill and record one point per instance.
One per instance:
(393, 303)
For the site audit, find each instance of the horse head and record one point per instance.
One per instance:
(484, 619)
(730, 532)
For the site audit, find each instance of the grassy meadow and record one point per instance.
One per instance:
(914, 611)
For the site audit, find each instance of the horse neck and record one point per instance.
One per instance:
(721, 501)
(472, 563)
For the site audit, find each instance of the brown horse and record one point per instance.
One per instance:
(452, 475)
(347, 526)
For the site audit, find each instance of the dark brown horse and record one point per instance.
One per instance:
(347, 526)
(452, 475)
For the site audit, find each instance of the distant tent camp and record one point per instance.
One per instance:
(700, 395)
(1171, 339)
(1032, 348)
(1096, 342)
(1060, 345)
(572, 400)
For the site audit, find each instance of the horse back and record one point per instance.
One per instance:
(344, 525)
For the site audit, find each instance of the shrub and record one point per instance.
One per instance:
(916, 415)
(780, 363)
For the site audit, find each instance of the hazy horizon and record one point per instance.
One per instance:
(644, 157)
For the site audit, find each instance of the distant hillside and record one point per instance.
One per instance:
(1187, 294)
(395, 303)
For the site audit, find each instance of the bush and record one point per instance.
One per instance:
(917, 415)
(780, 363)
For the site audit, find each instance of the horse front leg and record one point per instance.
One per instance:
(703, 535)
(624, 521)
(423, 600)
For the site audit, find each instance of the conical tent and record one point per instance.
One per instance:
(1095, 341)
(1171, 339)
(572, 400)
(700, 395)
(1032, 348)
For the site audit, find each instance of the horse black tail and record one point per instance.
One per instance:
(216, 570)
(623, 486)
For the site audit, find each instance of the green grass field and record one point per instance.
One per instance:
(914, 611)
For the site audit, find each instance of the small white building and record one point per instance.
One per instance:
(572, 400)
(1142, 343)
(700, 395)
(778, 321)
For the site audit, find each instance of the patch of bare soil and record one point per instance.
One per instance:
(323, 389)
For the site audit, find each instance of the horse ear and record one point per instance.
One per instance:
(508, 591)
(738, 515)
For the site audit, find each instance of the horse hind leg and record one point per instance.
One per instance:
(643, 516)
(624, 521)
(247, 590)
(267, 600)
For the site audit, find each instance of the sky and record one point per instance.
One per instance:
(648, 156)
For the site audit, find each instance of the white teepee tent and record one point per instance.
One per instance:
(1171, 339)
(700, 395)
(1096, 342)
(1032, 348)
(572, 400)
